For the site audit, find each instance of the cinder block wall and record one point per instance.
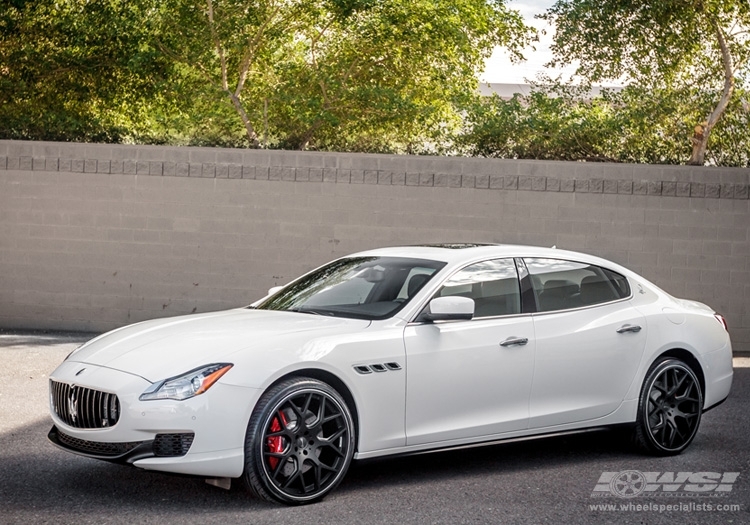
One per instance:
(97, 236)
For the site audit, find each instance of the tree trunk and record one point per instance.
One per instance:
(252, 136)
(700, 142)
(307, 137)
(703, 131)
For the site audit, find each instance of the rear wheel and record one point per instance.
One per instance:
(669, 409)
(299, 443)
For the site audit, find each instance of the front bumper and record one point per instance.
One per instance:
(163, 445)
(204, 435)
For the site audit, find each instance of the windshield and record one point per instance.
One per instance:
(360, 287)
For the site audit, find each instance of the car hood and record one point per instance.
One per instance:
(163, 348)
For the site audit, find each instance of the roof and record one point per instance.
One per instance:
(467, 253)
(458, 252)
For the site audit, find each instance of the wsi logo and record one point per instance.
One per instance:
(632, 483)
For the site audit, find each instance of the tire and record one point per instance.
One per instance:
(669, 408)
(299, 443)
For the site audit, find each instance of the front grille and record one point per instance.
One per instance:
(172, 445)
(96, 448)
(81, 407)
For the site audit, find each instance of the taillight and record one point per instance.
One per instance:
(723, 321)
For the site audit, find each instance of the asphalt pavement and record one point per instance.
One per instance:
(571, 479)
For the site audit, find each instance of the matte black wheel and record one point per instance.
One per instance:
(670, 408)
(299, 443)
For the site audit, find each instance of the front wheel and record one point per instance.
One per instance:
(670, 407)
(299, 442)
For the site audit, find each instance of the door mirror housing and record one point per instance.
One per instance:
(450, 308)
(271, 291)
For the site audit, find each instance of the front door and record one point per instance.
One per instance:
(468, 379)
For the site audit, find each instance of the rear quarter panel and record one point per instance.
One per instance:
(674, 324)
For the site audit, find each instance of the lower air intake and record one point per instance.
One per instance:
(172, 445)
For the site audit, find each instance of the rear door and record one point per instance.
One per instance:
(589, 341)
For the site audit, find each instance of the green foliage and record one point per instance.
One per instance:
(643, 40)
(367, 75)
(76, 70)
(372, 75)
(359, 74)
(731, 137)
(634, 124)
(546, 124)
(697, 48)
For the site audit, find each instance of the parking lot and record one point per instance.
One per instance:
(552, 480)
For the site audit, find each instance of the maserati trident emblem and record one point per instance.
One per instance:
(73, 404)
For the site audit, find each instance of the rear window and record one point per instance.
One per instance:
(561, 285)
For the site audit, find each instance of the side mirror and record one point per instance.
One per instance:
(451, 308)
(271, 291)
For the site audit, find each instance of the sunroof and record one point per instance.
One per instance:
(456, 245)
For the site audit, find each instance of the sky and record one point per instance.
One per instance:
(499, 68)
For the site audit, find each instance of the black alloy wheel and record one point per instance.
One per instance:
(300, 442)
(670, 408)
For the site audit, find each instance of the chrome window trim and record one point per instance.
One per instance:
(486, 318)
(536, 297)
(586, 307)
(414, 322)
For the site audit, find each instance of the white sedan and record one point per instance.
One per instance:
(393, 351)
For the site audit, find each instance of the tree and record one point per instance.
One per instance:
(730, 139)
(361, 74)
(77, 70)
(366, 75)
(636, 124)
(553, 122)
(698, 45)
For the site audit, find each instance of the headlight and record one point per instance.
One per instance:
(187, 385)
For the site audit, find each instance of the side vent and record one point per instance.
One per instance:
(377, 367)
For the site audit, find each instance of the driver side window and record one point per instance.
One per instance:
(493, 285)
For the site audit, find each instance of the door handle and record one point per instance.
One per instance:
(512, 341)
(628, 328)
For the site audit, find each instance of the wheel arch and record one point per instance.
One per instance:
(689, 359)
(335, 382)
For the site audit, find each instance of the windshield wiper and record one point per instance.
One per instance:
(313, 311)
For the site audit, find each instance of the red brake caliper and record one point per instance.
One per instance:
(275, 443)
